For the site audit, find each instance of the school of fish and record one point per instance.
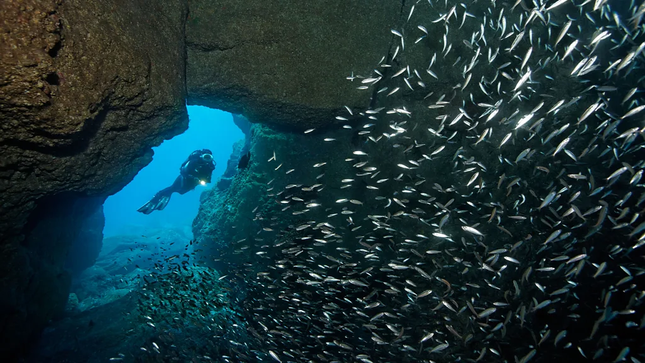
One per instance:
(493, 208)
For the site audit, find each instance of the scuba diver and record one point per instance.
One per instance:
(197, 169)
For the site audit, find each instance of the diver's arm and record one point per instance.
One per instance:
(183, 170)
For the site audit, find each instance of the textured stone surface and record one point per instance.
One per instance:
(285, 62)
(231, 166)
(240, 148)
(86, 88)
(244, 125)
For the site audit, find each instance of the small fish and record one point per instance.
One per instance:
(561, 146)
(617, 173)
(556, 4)
(570, 49)
(547, 200)
(561, 335)
(523, 80)
(577, 258)
(487, 312)
(426, 337)
(553, 236)
(438, 150)
(275, 356)
(472, 230)
(633, 111)
(542, 305)
(439, 348)
(528, 356)
(563, 32)
(622, 355)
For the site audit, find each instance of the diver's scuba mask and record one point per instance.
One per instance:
(207, 157)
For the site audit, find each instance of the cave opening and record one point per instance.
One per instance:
(208, 129)
(134, 242)
(100, 276)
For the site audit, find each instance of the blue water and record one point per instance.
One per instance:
(208, 129)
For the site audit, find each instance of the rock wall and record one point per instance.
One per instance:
(240, 148)
(284, 62)
(86, 88)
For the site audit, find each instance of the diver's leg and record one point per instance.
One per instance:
(165, 194)
(176, 185)
(161, 199)
(187, 184)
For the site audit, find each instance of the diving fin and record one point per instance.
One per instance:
(147, 208)
(158, 202)
(163, 202)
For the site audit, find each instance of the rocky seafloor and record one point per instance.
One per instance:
(141, 297)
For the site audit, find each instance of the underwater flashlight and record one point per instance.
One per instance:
(202, 182)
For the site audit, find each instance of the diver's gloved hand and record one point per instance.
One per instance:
(158, 202)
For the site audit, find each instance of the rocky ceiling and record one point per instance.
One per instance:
(88, 87)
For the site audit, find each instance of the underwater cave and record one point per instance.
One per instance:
(208, 129)
(395, 181)
(134, 244)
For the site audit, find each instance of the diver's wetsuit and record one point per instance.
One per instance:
(198, 168)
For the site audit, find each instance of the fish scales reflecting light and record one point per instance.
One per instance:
(502, 226)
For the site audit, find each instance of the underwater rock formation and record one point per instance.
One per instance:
(240, 155)
(284, 67)
(244, 125)
(144, 325)
(86, 88)
(231, 165)
(119, 267)
(129, 252)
